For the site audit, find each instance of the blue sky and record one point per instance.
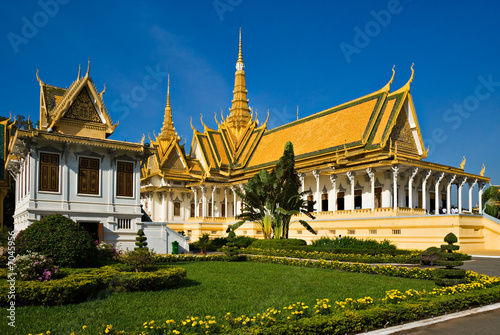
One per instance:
(315, 54)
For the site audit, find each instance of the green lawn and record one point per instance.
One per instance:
(212, 288)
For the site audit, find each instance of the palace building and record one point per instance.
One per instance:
(70, 167)
(363, 162)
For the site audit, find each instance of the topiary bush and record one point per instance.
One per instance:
(449, 276)
(141, 259)
(59, 238)
(140, 240)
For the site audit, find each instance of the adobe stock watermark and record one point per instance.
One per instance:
(31, 27)
(363, 37)
(223, 6)
(278, 118)
(11, 280)
(138, 93)
(460, 112)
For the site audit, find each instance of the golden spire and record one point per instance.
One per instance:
(239, 113)
(168, 130)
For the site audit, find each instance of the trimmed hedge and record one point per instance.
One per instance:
(412, 258)
(278, 243)
(78, 287)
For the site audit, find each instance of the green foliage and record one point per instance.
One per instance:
(449, 275)
(107, 252)
(272, 198)
(78, 287)
(204, 242)
(431, 255)
(60, 239)
(140, 240)
(232, 251)
(350, 244)
(139, 259)
(491, 201)
(278, 244)
(34, 266)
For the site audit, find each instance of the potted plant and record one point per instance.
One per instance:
(204, 243)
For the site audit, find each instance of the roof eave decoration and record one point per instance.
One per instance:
(70, 96)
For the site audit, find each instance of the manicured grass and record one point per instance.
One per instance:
(212, 288)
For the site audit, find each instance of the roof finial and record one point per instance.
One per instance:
(38, 78)
(239, 64)
(88, 69)
(407, 85)
(168, 130)
(79, 71)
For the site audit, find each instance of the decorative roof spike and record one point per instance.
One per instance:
(406, 87)
(38, 78)
(88, 69)
(387, 86)
(79, 71)
(168, 130)
(239, 113)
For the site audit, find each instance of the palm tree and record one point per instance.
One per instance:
(272, 198)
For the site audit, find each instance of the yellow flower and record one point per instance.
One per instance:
(84, 327)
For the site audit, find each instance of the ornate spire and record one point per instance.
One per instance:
(239, 113)
(168, 130)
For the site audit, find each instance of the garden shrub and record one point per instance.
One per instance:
(231, 250)
(141, 259)
(107, 252)
(278, 243)
(354, 245)
(79, 286)
(59, 238)
(34, 266)
(449, 275)
(140, 240)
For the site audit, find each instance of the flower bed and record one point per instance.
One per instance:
(79, 287)
(339, 317)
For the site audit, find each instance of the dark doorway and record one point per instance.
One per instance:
(340, 201)
(358, 203)
(324, 202)
(94, 229)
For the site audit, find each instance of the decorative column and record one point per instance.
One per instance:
(170, 206)
(350, 177)
(225, 202)
(462, 183)
(448, 193)
(481, 186)
(318, 200)
(395, 172)
(242, 191)
(371, 174)
(424, 189)
(204, 201)
(233, 188)
(413, 173)
(213, 201)
(333, 192)
(437, 195)
(164, 216)
(471, 186)
(194, 189)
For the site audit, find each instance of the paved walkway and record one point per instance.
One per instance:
(481, 321)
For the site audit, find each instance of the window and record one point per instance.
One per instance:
(124, 223)
(299, 232)
(357, 199)
(49, 172)
(396, 232)
(378, 197)
(209, 209)
(223, 210)
(340, 201)
(125, 179)
(351, 232)
(88, 176)
(192, 210)
(200, 210)
(177, 209)
(310, 200)
(324, 202)
(333, 231)
(373, 231)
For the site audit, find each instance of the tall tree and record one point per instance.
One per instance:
(272, 198)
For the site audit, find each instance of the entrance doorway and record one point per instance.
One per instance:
(95, 229)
